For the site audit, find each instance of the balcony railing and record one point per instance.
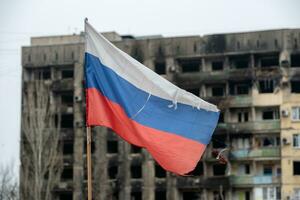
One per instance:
(246, 180)
(259, 153)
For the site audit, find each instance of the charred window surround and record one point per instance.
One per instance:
(190, 65)
(217, 65)
(218, 90)
(239, 88)
(266, 86)
(239, 62)
(268, 60)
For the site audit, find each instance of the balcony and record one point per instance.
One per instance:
(258, 154)
(246, 181)
(254, 127)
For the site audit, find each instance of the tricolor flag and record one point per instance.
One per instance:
(143, 108)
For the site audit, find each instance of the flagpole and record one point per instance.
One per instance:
(89, 161)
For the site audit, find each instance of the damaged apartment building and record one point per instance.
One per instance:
(253, 77)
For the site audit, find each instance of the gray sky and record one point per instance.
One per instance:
(21, 19)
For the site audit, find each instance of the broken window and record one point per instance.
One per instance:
(42, 74)
(136, 171)
(190, 195)
(295, 86)
(190, 65)
(112, 172)
(219, 169)
(296, 165)
(217, 65)
(66, 196)
(198, 171)
(241, 63)
(270, 114)
(136, 195)
(160, 195)
(135, 149)
(67, 99)
(67, 147)
(194, 91)
(112, 146)
(67, 73)
(295, 60)
(296, 113)
(267, 170)
(239, 88)
(66, 121)
(67, 173)
(266, 86)
(160, 67)
(218, 91)
(243, 116)
(269, 61)
(159, 171)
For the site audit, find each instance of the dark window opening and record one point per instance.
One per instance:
(67, 73)
(136, 171)
(247, 195)
(135, 149)
(295, 86)
(295, 60)
(239, 88)
(218, 141)
(217, 91)
(112, 172)
(112, 146)
(159, 172)
(219, 169)
(42, 74)
(241, 63)
(66, 121)
(296, 165)
(243, 116)
(160, 67)
(217, 65)
(190, 66)
(194, 91)
(221, 118)
(247, 169)
(68, 147)
(66, 196)
(217, 195)
(267, 142)
(67, 99)
(136, 195)
(67, 174)
(270, 114)
(198, 171)
(269, 61)
(266, 86)
(160, 195)
(268, 171)
(191, 195)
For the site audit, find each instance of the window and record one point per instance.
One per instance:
(218, 141)
(217, 65)
(136, 195)
(66, 196)
(270, 114)
(217, 91)
(194, 91)
(270, 61)
(296, 140)
(267, 170)
(159, 172)
(295, 86)
(67, 73)
(296, 113)
(160, 67)
(67, 173)
(42, 74)
(239, 62)
(295, 60)
(247, 195)
(66, 121)
(243, 116)
(198, 171)
(244, 169)
(219, 169)
(247, 169)
(296, 165)
(160, 195)
(266, 86)
(135, 149)
(136, 171)
(190, 195)
(190, 65)
(221, 118)
(67, 99)
(67, 147)
(112, 146)
(239, 88)
(112, 172)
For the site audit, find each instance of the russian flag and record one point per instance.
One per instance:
(143, 108)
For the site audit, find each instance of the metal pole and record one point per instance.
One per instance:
(89, 161)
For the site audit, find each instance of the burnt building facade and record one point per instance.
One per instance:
(253, 77)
